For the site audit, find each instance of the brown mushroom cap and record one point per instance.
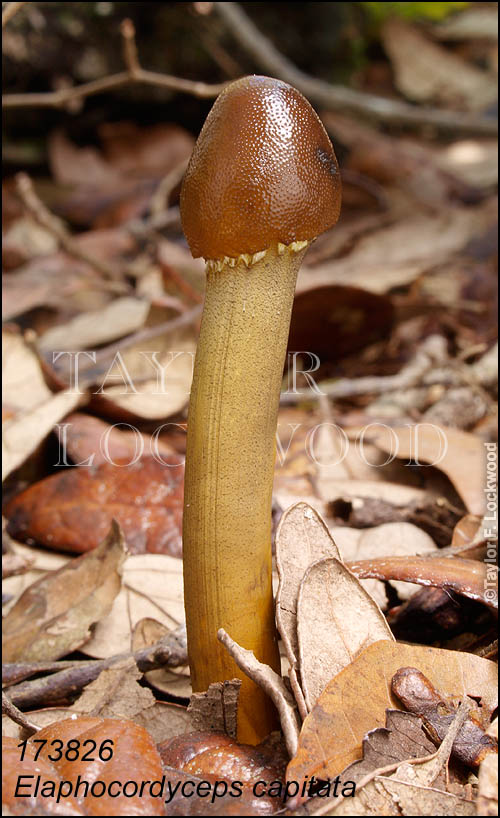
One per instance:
(262, 171)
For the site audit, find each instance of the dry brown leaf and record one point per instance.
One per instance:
(487, 799)
(425, 71)
(39, 561)
(333, 321)
(116, 693)
(399, 253)
(37, 409)
(147, 387)
(152, 587)
(336, 620)
(87, 439)
(388, 796)
(355, 701)
(302, 539)
(89, 329)
(54, 615)
(470, 578)
(71, 510)
(403, 737)
(162, 721)
(461, 456)
(398, 540)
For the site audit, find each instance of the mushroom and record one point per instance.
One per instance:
(262, 183)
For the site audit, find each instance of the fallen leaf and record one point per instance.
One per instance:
(403, 737)
(460, 455)
(334, 321)
(152, 587)
(22, 803)
(395, 540)
(355, 701)
(72, 509)
(336, 620)
(470, 745)
(153, 377)
(487, 798)
(397, 254)
(87, 438)
(129, 754)
(89, 329)
(116, 693)
(34, 408)
(425, 71)
(388, 796)
(302, 539)
(471, 578)
(216, 757)
(53, 616)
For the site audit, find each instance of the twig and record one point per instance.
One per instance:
(429, 367)
(15, 714)
(9, 11)
(39, 211)
(429, 354)
(338, 97)
(134, 74)
(271, 683)
(159, 200)
(170, 651)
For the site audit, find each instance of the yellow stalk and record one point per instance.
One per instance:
(229, 474)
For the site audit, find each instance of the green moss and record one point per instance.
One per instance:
(411, 11)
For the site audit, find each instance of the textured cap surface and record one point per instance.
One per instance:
(262, 171)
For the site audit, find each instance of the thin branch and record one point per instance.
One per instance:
(15, 714)
(271, 683)
(39, 211)
(133, 74)
(338, 97)
(170, 651)
(9, 11)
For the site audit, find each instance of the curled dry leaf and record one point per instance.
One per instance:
(336, 620)
(470, 578)
(461, 456)
(393, 539)
(53, 616)
(355, 701)
(72, 510)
